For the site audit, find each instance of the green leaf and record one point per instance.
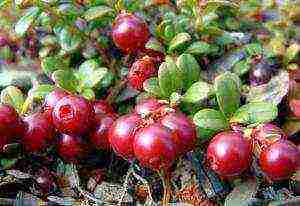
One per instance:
(292, 53)
(65, 79)
(53, 63)
(169, 77)
(255, 112)
(190, 69)
(97, 12)
(197, 92)
(88, 93)
(242, 194)
(69, 40)
(253, 49)
(155, 45)
(202, 48)
(242, 67)
(179, 41)
(151, 86)
(90, 73)
(8, 163)
(227, 88)
(209, 122)
(26, 20)
(41, 91)
(273, 92)
(13, 96)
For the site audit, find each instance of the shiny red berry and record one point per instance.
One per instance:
(280, 160)
(73, 115)
(229, 154)
(52, 99)
(72, 148)
(102, 107)
(129, 32)
(148, 106)
(154, 147)
(186, 135)
(11, 125)
(121, 135)
(295, 107)
(99, 137)
(3, 41)
(141, 70)
(39, 134)
(265, 135)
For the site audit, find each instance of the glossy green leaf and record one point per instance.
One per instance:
(69, 40)
(209, 122)
(242, 194)
(242, 67)
(198, 92)
(53, 63)
(227, 88)
(40, 91)
(88, 93)
(255, 112)
(179, 41)
(65, 79)
(292, 53)
(90, 73)
(169, 77)
(26, 20)
(97, 12)
(13, 96)
(202, 48)
(155, 45)
(190, 69)
(151, 86)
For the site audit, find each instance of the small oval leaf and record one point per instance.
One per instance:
(190, 69)
(179, 41)
(169, 77)
(202, 48)
(65, 79)
(228, 93)
(155, 45)
(255, 112)
(209, 122)
(13, 96)
(41, 91)
(53, 63)
(26, 20)
(198, 92)
(97, 12)
(151, 86)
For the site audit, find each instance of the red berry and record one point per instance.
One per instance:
(184, 128)
(99, 137)
(141, 70)
(3, 41)
(102, 107)
(130, 32)
(11, 124)
(295, 107)
(39, 134)
(72, 148)
(121, 135)
(154, 147)
(265, 135)
(148, 106)
(280, 160)
(73, 115)
(229, 154)
(51, 100)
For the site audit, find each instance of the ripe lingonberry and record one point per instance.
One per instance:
(99, 137)
(3, 41)
(73, 115)
(154, 147)
(184, 128)
(102, 107)
(229, 154)
(148, 106)
(295, 107)
(11, 124)
(121, 135)
(39, 134)
(72, 148)
(280, 160)
(51, 100)
(141, 70)
(130, 32)
(265, 135)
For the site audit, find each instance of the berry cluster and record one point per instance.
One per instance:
(230, 153)
(154, 134)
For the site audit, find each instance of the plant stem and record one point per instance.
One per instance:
(165, 176)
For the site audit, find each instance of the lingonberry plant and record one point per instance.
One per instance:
(203, 95)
